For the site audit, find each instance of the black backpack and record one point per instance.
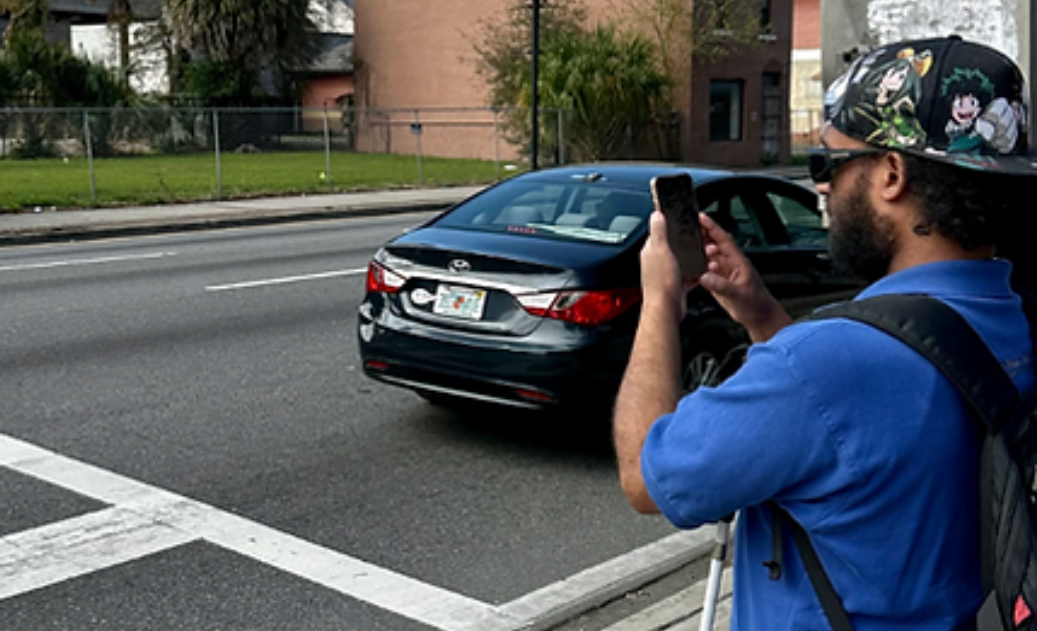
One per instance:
(1009, 451)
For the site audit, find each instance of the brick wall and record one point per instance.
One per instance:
(806, 25)
(417, 55)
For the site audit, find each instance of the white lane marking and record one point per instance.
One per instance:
(285, 280)
(64, 550)
(146, 519)
(74, 262)
(156, 519)
(402, 595)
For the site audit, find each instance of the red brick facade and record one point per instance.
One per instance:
(806, 25)
(417, 55)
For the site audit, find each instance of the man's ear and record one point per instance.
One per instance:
(892, 181)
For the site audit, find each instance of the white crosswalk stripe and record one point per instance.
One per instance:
(143, 520)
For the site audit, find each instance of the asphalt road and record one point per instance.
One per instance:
(186, 442)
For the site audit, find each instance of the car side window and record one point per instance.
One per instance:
(805, 225)
(748, 230)
(737, 218)
(719, 210)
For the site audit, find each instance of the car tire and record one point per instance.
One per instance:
(711, 353)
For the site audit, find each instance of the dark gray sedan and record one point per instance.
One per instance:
(527, 294)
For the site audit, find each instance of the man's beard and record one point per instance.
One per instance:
(859, 241)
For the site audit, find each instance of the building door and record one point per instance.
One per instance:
(771, 128)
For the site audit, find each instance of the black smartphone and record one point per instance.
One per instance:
(674, 196)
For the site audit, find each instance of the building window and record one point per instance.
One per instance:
(720, 14)
(765, 13)
(725, 110)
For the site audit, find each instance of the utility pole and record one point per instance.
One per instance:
(535, 99)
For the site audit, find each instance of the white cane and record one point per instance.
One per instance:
(716, 573)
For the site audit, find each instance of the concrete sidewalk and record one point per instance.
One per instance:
(681, 612)
(54, 225)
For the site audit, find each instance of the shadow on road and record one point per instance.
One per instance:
(585, 435)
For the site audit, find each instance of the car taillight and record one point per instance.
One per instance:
(382, 279)
(588, 308)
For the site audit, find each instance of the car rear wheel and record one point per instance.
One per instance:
(711, 354)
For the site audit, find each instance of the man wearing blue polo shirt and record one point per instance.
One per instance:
(860, 439)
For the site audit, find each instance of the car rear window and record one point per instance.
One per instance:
(574, 211)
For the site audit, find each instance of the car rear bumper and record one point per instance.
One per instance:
(585, 370)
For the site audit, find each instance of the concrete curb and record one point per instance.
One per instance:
(51, 226)
(50, 234)
(681, 612)
(546, 608)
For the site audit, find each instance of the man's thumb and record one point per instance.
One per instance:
(714, 283)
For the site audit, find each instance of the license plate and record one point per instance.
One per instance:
(459, 302)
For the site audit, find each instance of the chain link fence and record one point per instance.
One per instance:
(318, 140)
(233, 152)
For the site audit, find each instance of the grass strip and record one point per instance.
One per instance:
(160, 179)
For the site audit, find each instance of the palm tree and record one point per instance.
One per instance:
(244, 35)
(610, 86)
(608, 83)
(24, 16)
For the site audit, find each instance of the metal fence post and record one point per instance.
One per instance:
(496, 143)
(90, 156)
(561, 136)
(219, 165)
(417, 130)
(327, 148)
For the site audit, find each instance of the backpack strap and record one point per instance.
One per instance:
(948, 341)
(830, 601)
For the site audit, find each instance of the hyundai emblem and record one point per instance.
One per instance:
(459, 265)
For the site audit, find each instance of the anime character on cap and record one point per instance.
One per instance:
(890, 94)
(979, 118)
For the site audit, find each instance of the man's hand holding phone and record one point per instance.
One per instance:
(737, 287)
(690, 250)
(663, 281)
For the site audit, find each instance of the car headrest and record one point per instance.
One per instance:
(619, 203)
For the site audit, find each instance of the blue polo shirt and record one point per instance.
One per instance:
(865, 443)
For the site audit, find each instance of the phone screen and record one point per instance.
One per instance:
(674, 196)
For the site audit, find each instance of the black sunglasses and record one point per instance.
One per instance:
(823, 161)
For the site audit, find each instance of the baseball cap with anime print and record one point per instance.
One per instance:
(945, 99)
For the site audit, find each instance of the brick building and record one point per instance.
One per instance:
(806, 91)
(416, 83)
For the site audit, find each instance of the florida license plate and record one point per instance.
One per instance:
(459, 302)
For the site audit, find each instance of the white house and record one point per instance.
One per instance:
(100, 42)
(852, 26)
